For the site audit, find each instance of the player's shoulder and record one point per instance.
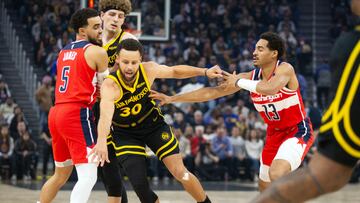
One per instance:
(128, 35)
(149, 64)
(285, 67)
(96, 51)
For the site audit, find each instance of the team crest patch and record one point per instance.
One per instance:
(165, 136)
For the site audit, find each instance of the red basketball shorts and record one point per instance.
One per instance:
(73, 133)
(290, 144)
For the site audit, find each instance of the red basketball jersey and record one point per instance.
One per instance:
(75, 80)
(279, 111)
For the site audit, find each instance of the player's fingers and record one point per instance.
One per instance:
(91, 152)
(224, 73)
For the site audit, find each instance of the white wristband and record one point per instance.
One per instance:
(249, 85)
(101, 76)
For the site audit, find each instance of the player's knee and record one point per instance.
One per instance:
(60, 179)
(180, 173)
(145, 194)
(87, 179)
(114, 189)
(276, 173)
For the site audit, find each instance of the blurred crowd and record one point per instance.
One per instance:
(220, 139)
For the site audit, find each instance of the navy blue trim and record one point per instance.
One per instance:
(301, 130)
(76, 45)
(256, 74)
(85, 126)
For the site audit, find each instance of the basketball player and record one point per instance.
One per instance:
(79, 65)
(274, 90)
(339, 148)
(137, 121)
(113, 14)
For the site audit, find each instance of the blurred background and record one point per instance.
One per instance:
(193, 32)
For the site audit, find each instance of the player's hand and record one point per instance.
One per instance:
(229, 80)
(99, 153)
(163, 98)
(214, 72)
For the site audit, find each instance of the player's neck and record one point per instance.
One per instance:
(267, 69)
(109, 35)
(79, 38)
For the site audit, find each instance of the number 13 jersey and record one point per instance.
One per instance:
(134, 106)
(279, 111)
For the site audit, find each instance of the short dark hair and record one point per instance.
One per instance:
(275, 42)
(80, 18)
(130, 45)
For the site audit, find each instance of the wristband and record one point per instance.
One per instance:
(249, 85)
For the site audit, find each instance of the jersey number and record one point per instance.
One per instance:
(126, 111)
(272, 109)
(65, 79)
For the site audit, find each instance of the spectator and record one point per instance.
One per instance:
(240, 158)
(254, 146)
(44, 98)
(47, 151)
(6, 151)
(7, 109)
(25, 152)
(323, 83)
(18, 117)
(4, 91)
(222, 147)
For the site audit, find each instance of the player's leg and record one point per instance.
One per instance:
(292, 151)
(63, 162)
(55, 182)
(308, 182)
(136, 169)
(81, 137)
(87, 176)
(190, 183)
(112, 179)
(165, 146)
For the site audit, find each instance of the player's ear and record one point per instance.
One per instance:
(275, 53)
(102, 13)
(82, 31)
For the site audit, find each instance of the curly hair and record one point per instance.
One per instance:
(122, 5)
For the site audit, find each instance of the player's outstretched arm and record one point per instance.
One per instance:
(155, 70)
(282, 77)
(200, 95)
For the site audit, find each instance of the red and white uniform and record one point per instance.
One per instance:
(289, 133)
(71, 120)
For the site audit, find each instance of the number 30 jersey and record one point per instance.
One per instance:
(279, 111)
(75, 80)
(134, 106)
